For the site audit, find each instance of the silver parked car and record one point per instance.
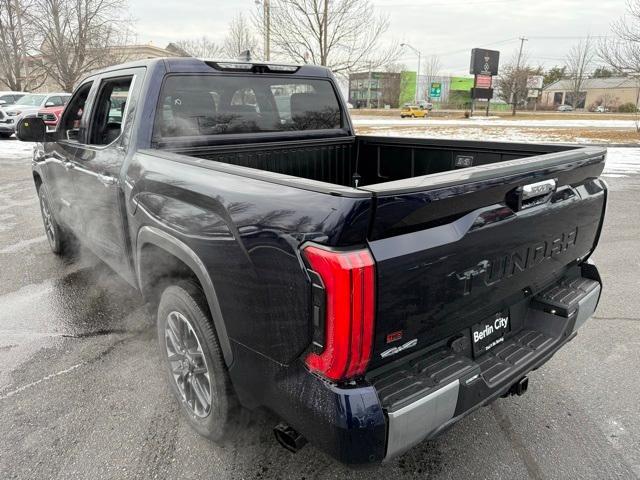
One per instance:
(565, 108)
(28, 105)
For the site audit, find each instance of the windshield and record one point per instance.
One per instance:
(216, 105)
(31, 100)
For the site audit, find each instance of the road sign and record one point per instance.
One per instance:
(484, 62)
(483, 81)
(533, 93)
(535, 82)
(482, 93)
(436, 90)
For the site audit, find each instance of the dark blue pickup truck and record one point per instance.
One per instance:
(371, 291)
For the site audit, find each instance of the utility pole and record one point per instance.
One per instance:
(267, 36)
(325, 34)
(266, 20)
(369, 88)
(417, 52)
(514, 97)
(418, 78)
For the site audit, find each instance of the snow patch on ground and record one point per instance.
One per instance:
(11, 148)
(622, 162)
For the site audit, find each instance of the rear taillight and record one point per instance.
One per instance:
(348, 279)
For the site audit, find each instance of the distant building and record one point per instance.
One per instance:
(374, 89)
(608, 92)
(121, 54)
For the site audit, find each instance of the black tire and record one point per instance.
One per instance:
(5, 134)
(221, 421)
(58, 239)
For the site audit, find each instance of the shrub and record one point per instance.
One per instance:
(627, 108)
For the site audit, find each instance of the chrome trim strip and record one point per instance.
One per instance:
(409, 425)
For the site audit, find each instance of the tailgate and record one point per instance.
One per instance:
(457, 248)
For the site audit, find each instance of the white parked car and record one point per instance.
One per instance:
(8, 98)
(28, 105)
(565, 108)
(601, 109)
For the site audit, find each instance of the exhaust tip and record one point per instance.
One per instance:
(289, 438)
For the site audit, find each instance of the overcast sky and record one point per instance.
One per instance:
(446, 28)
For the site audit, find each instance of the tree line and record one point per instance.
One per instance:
(60, 41)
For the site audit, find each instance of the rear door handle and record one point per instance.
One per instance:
(107, 180)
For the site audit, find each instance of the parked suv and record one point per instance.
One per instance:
(27, 106)
(51, 116)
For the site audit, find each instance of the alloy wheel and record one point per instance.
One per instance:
(188, 364)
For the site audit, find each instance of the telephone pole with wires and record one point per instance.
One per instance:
(516, 74)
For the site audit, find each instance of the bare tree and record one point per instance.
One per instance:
(622, 52)
(395, 67)
(511, 84)
(344, 35)
(579, 62)
(15, 43)
(431, 71)
(79, 36)
(202, 47)
(240, 38)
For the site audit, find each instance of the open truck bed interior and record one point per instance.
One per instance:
(376, 160)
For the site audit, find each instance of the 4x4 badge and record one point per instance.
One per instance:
(395, 350)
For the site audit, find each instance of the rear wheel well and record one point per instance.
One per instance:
(158, 269)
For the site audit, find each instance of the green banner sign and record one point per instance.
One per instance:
(436, 90)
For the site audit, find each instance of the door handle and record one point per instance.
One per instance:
(69, 165)
(107, 180)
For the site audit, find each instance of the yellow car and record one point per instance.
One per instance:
(413, 111)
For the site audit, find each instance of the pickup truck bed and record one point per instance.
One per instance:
(376, 159)
(369, 290)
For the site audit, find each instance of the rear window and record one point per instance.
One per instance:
(217, 105)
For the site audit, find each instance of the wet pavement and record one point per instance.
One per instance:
(83, 394)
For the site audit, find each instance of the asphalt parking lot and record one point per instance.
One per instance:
(83, 393)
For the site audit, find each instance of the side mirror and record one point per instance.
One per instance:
(31, 129)
(49, 104)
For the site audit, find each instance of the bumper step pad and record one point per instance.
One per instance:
(497, 364)
(564, 297)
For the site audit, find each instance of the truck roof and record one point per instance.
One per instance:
(196, 65)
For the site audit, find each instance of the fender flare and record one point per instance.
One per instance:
(154, 236)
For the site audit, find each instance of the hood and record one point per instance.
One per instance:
(20, 108)
(56, 110)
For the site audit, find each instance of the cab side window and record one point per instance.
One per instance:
(110, 107)
(70, 125)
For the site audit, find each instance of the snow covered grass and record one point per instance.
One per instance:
(493, 122)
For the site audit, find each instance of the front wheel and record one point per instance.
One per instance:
(193, 357)
(5, 134)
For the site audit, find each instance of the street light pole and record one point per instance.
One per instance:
(417, 52)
